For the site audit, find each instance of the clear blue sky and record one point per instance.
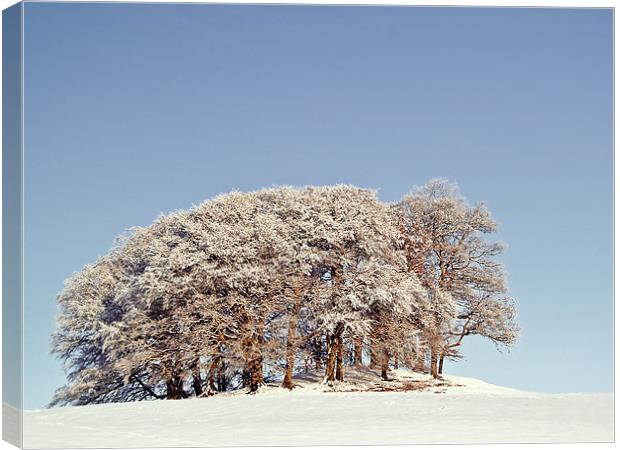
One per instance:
(133, 110)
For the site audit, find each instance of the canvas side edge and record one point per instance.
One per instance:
(12, 225)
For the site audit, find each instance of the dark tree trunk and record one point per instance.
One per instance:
(334, 355)
(222, 379)
(213, 367)
(252, 348)
(222, 382)
(330, 367)
(339, 355)
(211, 388)
(245, 377)
(197, 385)
(334, 352)
(440, 370)
(217, 368)
(334, 341)
(197, 379)
(174, 388)
(255, 368)
(291, 341)
(253, 372)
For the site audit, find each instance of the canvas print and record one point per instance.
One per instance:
(259, 225)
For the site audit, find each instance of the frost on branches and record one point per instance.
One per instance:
(249, 287)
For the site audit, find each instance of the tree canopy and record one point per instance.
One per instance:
(251, 286)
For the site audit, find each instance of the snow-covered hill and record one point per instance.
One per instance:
(411, 409)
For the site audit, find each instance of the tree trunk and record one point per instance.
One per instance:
(196, 378)
(222, 379)
(197, 385)
(433, 368)
(339, 355)
(374, 357)
(375, 345)
(255, 369)
(395, 360)
(385, 363)
(441, 364)
(334, 341)
(217, 367)
(357, 356)
(215, 361)
(334, 351)
(330, 367)
(252, 349)
(174, 388)
(420, 358)
(253, 372)
(291, 341)
(245, 377)
(317, 351)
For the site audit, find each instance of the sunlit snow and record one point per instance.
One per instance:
(456, 410)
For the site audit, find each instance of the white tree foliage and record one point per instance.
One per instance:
(256, 285)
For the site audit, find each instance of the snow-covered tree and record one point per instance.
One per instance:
(446, 248)
(250, 285)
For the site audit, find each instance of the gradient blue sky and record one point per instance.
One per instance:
(133, 110)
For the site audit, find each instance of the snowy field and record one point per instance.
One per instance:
(457, 410)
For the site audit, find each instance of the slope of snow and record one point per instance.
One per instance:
(453, 410)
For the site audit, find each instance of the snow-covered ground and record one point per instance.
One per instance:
(456, 410)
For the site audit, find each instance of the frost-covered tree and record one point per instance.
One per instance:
(89, 312)
(356, 245)
(446, 248)
(225, 255)
(255, 285)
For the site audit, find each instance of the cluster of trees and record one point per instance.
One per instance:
(248, 287)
